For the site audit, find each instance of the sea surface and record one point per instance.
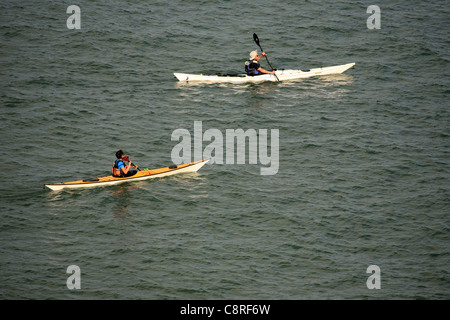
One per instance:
(363, 177)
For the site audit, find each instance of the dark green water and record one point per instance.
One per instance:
(364, 156)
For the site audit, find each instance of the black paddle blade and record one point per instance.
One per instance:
(255, 37)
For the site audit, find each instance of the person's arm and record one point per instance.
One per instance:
(258, 57)
(266, 71)
(125, 168)
(261, 69)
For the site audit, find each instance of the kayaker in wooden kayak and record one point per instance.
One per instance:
(252, 66)
(119, 168)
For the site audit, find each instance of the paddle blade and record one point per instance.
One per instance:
(255, 37)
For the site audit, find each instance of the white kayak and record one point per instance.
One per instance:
(281, 75)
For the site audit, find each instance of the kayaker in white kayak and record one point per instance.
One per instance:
(252, 66)
(120, 169)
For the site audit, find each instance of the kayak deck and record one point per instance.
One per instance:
(281, 75)
(139, 176)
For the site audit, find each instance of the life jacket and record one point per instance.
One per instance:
(115, 169)
(251, 67)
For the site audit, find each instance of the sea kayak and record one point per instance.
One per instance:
(139, 176)
(281, 75)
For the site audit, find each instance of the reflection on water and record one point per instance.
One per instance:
(296, 91)
(53, 196)
(121, 197)
(330, 86)
(203, 84)
(262, 88)
(194, 184)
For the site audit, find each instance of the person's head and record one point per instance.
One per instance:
(119, 154)
(253, 54)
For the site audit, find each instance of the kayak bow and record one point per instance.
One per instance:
(139, 176)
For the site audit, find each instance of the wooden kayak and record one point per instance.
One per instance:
(139, 176)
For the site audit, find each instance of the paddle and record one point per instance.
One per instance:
(127, 158)
(139, 169)
(255, 37)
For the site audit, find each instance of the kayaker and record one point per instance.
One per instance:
(252, 66)
(120, 169)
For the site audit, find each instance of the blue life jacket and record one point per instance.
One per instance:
(251, 67)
